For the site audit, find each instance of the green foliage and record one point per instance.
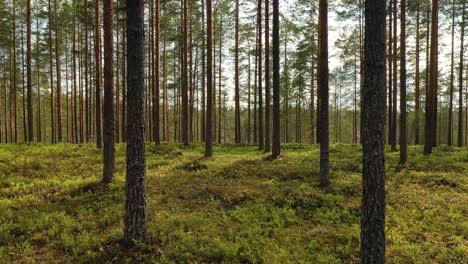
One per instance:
(238, 207)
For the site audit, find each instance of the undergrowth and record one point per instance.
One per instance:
(237, 207)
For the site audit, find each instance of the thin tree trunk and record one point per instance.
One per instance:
(25, 135)
(29, 71)
(395, 76)
(220, 77)
(276, 82)
(403, 117)
(259, 74)
(417, 79)
(209, 82)
(14, 121)
(109, 130)
(184, 126)
(267, 77)
(156, 72)
(238, 138)
(51, 76)
(452, 75)
(460, 78)
(97, 60)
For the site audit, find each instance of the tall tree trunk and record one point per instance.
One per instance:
(417, 78)
(403, 117)
(431, 100)
(85, 29)
(203, 80)
(185, 132)
(75, 87)
(109, 130)
(156, 136)
(97, 60)
(323, 87)
(236, 77)
(395, 76)
(38, 67)
(51, 76)
(276, 82)
(390, 73)
(220, 77)
(259, 78)
(14, 120)
(452, 75)
(59, 76)
(460, 78)
(209, 82)
(123, 124)
(25, 135)
(373, 173)
(267, 77)
(29, 71)
(135, 214)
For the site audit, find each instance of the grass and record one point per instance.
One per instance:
(235, 208)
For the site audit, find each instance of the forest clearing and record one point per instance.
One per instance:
(238, 207)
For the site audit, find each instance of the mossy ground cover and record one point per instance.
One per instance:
(238, 207)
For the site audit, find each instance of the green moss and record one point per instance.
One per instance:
(237, 207)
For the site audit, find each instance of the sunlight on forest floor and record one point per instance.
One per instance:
(236, 207)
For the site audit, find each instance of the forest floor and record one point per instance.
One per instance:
(238, 207)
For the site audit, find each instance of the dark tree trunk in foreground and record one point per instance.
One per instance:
(97, 61)
(431, 100)
(323, 88)
(209, 82)
(276, 82)
(373, 173)
(403, 117)
(135, 214)
(109, 144)
(29, 71)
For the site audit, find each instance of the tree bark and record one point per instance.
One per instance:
(236, 77)
(209, 82)
(185, 114)
(135, 214)
(276, 81)
(156, 135)
(460, 78)
(261, 142)
(267, 77)
(109, 129)
(403, 117)
(417, 78)
(29, 71)
(97, 60)
(324, 90)
(452, 75)
(373, 201)
(431, 101)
